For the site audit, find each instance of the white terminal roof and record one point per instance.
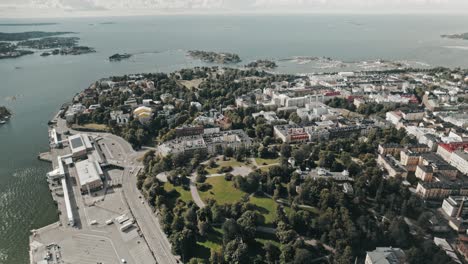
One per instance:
(71, 219)
(79, 142)
(88, 172)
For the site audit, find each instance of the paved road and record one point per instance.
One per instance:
(142, 212)
(195, 195)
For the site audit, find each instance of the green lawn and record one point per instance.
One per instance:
(266, 207)
(91, 126)
(222, 191)
(262, 238)
(221, 163)
(185, 195)
(214, 239)
(262, 162)
(267, 168)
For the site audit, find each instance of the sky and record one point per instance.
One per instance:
(46, 8)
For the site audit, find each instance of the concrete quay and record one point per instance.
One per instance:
(97, 236)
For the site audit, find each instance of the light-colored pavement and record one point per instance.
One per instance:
(146, 219)
(195, 195)
(122, 154)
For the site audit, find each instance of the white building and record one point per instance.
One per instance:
(459, 159)
(452, 205)
(89, 175)
(197, 105)
(73, 111)
(393, 117)
(386, 255)
(120, 117)
(79, 145)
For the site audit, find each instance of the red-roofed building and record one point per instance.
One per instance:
(332, 93)
(445, 150)
(412, 98)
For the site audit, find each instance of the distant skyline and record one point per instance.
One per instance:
(66, 8)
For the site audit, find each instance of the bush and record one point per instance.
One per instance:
(228, 177)
(225, 169)
(203, 187)
(200, 178)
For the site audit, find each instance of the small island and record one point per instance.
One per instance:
(214, 57)
(463, 36)
(264, 64)
(4, 114)
(119, 57)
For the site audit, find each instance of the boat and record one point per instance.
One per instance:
(2, 122)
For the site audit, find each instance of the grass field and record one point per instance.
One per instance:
(222, 191)
(92, 126)
(221, 163)
(214, 240)
(266, 207)
(185, 195)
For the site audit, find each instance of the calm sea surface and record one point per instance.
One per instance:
(42, 84)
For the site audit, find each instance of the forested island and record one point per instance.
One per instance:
(119, 57)
(9, 50)
(264, 64)
(50, 43)
(27, 24)
(20, 36)
(463, 36)
(39, 40)
(4, 113)
(214, 57)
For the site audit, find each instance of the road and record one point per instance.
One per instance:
(146, 219)
(122, 154)
(195, 195)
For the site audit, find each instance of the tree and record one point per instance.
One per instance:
(399, 232)
(247, 224)
(272, 253)
(236, 251)
(200, 178)
(182, 242)
(285, 150)
(228, 152)
(230, 230)
(203, 228)
(302, 256)
(295, 118)
(346, 257)
(216, 257)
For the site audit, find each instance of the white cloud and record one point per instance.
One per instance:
(129, 7)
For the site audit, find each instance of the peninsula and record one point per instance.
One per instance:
(214, 57)
(9, 50)
(463, 36)
(250, 165)
(4, 113)
(20, 36)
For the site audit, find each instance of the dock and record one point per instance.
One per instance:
(45, 156)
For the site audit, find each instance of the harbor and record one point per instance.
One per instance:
(95, 222)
